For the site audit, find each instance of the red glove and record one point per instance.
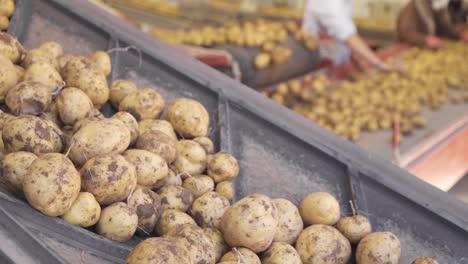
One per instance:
(433, 42)
(464, 36)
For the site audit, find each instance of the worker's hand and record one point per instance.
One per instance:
(464, 36)
(433, 42)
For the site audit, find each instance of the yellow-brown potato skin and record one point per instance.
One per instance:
(240, 255)
(290, 222)
(118, 222)
(189, 118)
(159, 250)
(172, 218)
(281, 253)
(319, 208)
(84, 212)
(378, 248)
(145, 103)
(208, 209)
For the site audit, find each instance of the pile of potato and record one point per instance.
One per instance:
(371, 101)
(7, 7)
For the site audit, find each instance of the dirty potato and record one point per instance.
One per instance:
(208, 209)
(73, 105)
(354, 228)
(10, 47)
(226, 189)
(118, 222)
(171, 218)
(191, 158)
(379, 248)
(8, 76)
(220, 245)
(199, 245)
(241, 255)
(144, 103)
(189, 118)
(157, 125)
(290, 223)
(44, 73)
(172, 179)
(101, 62)
(281, 253)
(52, 49)
(118, 90)
(14, 166)
(206, 144)
(158, 143)
(223, 167)
(151, 169)
(320, 208)
(175, 197)
(85, 211)
(131, 124)
(198, 185)
(28, 98)
(91, 81)
(147, 205)
(159, 250)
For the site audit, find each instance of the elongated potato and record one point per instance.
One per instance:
(15, 166)
(144, 103)
(157, 125)
(200, 246)
(73, 105)
(8, 76)
(158, 143)
(198, 185)
(131, 124)
(118, 222)
(52, 184)
(44, 73)
(189, 118)
(226, 189)
(118, 90)
(290, 224)
(151, 169)
(85, 211)
(191, 158)
(320, 208)
(10, 47)
(241, 255)
(379, 248)
(147, 205)
(223, 167)
(172, 218)
(217, 238)
(175, 197)
(281, 253)
(159, 250)
(28, 98)
(208, 209)
(102, 62)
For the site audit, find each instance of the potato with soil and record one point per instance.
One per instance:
(198, 185)
(101, 62)
(223, 167)
(290, 223)
(84, 212)
(206, 144)
(172, 179)
(51, 184)
(172, 218)
(110, 178)
(151, 169)
(158, 143)
(36, 56)
(250, 223)
(200, 246)
(103, 137)
(45, 73)
(378, 248)
(189, 118)
(73, 105)
(175, 197)
(226, 189)
(241, 255)
(354, 228)
(56, 136)
(191, 158)
(159, 250)
(147, 205)
(131, 124)
(10, 47)
(218, 241)
(118, 222)
(144, 103)
(8, 76)
(208, 209)
(425, 260)
(52, 49)
(281, 253)
(14, 166)
(118, 90)
(323, 244)
(319, 208)
(157, 125)
(19, 71)
(28, 98)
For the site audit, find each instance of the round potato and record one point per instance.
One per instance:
(189, 118)
(4, 23)
(191, 158)
(290, 223)
(131, 124)
(157, 125)
(218, 241)
(175, 197)
(51, 184)
(91, 81)
(102, 62)
(110, 178)
(208, 209)
(170, 219)
(158, 143)
(8, 76)
(200, 246)
(320, 208)
(226, 189)
(44, 73)
(151, 169)
(85, 211)
(172, 179)
(28, 98)
(281, 253)
(250, 223)
(73, 104)
(38, 55)
(378, 248)
(206, 144)
(107, 136)
(118, 90)
(118, 222)
(323, 244)
(425, 260)
(52, 48)
(198, 185)
(10, 47)
(159, 250)
(7, 7)
(354, 228)
(147, 205)
(144, 103)
(15, 166)
(241, 255)
(223, 167)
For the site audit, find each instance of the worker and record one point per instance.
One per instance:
(334, 18)
(425, 22)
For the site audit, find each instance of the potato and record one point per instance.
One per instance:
(191, 158)
(262, 60)
(175, 197)
(4, 23)
(226, 189)
(36, 56)
(85, 211)
(110, 178)
(4, 118)
(74, 65)
(73, 105)
(241, 255)
(151, 169)
(102, 62)
(144, 103)
(223, 167)
(319, 208)
(323, 244)
(56, 136)
(62, 61)
(28, 98)
(44, 73)
(8, 76)
(171, 218)
(52, 117)
(15, 165)
(91, 81)
(189, 118)
(7, 7)
(131, 124)
(354, 228)
(425, 260)
(147, 205)
(107, 136)
(172, 179)
(10, 47)
(218, 241)
(52, 48)
(378, 248)
(51, 184)
(31, 134)
(19, 71)
(118, 222)
(290, 223)
(198, 185)
(118, 90)
(281, 253)
(159, 250)
(158, 143)
(200, 246)
(206, 144)
(157, 125)
(208, 209)
(250, 223)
